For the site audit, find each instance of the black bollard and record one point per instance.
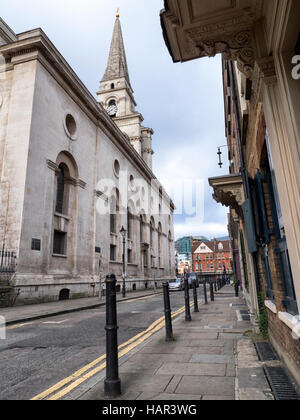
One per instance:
(205, 292)
(112, 383)
(212, 297)
(168, 312)
(236, 289)
(196, 309)
(187, 300)
(215, 284)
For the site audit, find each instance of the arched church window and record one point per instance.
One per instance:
(112, 103)
(60, 189)
(112, 86)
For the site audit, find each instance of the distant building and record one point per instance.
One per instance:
(212, 257)
(184, 248)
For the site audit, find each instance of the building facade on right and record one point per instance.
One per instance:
(260, 44)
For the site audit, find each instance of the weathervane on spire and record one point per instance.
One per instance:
(118, 14)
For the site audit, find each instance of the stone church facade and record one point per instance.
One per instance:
(72, 175)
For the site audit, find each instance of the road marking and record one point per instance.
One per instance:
(129, 345)
(13, 327)
(56, 322)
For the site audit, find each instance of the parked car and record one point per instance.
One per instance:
(176, 284)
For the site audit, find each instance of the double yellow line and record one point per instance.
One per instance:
(66, 385)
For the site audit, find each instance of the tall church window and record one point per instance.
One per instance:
(160, 246)
(114, 212)
(129, 224)
(112, 86)
(60, 190)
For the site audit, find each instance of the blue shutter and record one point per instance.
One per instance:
(249, 225)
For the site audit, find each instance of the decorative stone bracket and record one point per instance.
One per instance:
(229, 191)
(234, 46)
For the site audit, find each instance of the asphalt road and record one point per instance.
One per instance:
(37, 355)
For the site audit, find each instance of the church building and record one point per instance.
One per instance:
(73, 171)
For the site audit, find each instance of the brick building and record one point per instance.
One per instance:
(211, 257)
(260, 44)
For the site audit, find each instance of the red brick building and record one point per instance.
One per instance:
(211, 257)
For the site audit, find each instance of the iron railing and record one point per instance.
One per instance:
(8, 265)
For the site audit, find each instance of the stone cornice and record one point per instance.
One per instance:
(192, 32)
(35, 45)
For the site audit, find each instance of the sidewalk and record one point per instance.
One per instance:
(18, 314)
(210, 359)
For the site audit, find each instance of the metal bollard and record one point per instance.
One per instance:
(168, 312)
(112, 383)
(187, 300)
(205, 293)
(236, 289)
(212, 297)
(196, 308)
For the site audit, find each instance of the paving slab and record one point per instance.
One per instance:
(252, 378)
(192, 369)
(200, 335)
(171, 388)
(209, 358)
(231, 370)
(205, 343)
(169, 350)
(217, 398)
(140, 367)
(146, 396)
(145, 382)
(207, 385)
(254, 394)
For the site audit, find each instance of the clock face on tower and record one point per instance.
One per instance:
(112, 109)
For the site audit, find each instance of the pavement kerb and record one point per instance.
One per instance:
(82, 308)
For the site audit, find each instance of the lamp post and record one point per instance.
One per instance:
(154, 266)
(123, 232)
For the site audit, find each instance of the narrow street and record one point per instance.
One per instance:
(36, 355)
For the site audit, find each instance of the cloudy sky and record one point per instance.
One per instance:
(183, 103)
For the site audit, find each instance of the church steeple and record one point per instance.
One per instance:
(116, 96)
(117, 64)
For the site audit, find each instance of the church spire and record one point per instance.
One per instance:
(117, 63)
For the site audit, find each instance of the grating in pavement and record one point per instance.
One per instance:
(280, 383)
(265, 351)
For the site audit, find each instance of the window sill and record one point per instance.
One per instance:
(63, 216)
(59, 256)
(291, 321)
(115, 262)
(270, 305)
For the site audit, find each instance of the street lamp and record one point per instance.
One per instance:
(123, 232)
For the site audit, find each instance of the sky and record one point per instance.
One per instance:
(182, 102)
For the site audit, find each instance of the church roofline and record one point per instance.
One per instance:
(35, 45)
(6, 32)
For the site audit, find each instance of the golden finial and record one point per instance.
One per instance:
(118, 14)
